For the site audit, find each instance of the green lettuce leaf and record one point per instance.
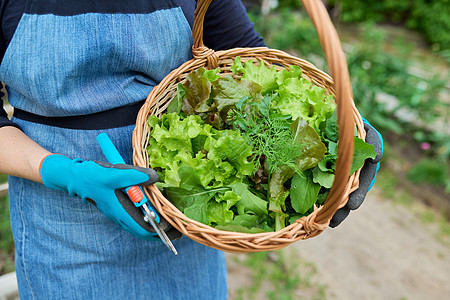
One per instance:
(228, 91)
(194, 202)
(283, 75)
(262, 75)
(174, 133)
(215, 173)
(229, 197)
(197, 93)
(176, 142)
(189, 178)
(198, 202)
(232, 147)
(278, 195)
(245, 223)
(301, 99)
(312, 147)
(362, 151)
(328, 163)
(176, 103)
(325, 179)
(249, 202)
(211, 75)
(331, 129)
(218, 213)
(303, 192)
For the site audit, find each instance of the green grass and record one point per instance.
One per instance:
(6, 238)
(431, 218)
(280, 275)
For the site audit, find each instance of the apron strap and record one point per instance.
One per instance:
(112, 118)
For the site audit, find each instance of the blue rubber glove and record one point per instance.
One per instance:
(102, 184)
(367, 176)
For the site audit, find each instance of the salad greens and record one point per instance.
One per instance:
(248, 151)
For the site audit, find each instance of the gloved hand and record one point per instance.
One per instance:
(102, 184)
(367, 176)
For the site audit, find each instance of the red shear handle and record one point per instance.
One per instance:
(135, 194)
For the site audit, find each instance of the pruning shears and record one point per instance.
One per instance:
(135, 193)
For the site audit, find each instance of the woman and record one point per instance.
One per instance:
(73, 70)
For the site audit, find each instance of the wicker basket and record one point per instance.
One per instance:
(305, 227)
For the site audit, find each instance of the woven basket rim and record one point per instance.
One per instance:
(338, 84)
(303, 228)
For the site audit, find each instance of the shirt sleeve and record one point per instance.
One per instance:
(7, 28)
(4, 120)
(227, 26)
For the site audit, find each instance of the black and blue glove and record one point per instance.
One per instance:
(102, 183)
(367, 176)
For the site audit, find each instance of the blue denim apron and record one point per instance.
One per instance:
(77, 65)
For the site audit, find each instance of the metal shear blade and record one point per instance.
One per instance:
(150, 215)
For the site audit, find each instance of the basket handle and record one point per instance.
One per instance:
(344, 99)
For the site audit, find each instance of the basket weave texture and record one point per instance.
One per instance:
(338, 85)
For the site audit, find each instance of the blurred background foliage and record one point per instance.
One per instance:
(429, 17)
(398, 58)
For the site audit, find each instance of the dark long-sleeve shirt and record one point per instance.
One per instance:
(226, 22)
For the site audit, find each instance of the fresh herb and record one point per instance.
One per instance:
(270, 135)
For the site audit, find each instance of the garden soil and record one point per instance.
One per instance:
(381, 251)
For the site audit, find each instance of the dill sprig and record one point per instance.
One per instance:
(269, 134)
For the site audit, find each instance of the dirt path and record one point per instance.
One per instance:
(381, 252)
